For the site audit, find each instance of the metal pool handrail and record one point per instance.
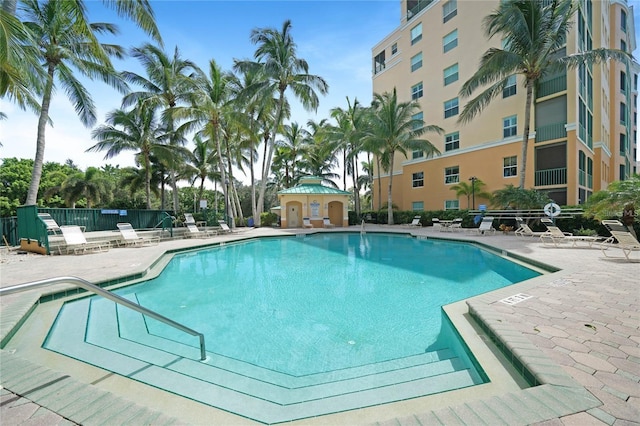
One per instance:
(108, 295)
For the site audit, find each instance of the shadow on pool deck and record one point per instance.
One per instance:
(579, 334)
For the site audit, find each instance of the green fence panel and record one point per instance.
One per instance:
(107, 219)
(9, 230)
(31, 227)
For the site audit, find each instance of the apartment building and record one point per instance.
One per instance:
(583, 125)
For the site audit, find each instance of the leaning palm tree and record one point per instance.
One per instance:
(66, 42)
(533, 33)
(394, 127)
(276, 55)
(166, 85)
(135, 130)
(20, 74)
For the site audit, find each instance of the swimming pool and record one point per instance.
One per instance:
(312, 325)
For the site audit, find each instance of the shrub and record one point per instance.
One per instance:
(268, 218)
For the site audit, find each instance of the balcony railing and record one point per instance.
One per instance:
(551, 131)
(415, 6)
(553, 85)
(551, 177)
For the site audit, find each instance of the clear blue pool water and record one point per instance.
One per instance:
(324, 302)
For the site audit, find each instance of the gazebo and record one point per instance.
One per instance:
(310, 199)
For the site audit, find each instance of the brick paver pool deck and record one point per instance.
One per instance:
(577, 337)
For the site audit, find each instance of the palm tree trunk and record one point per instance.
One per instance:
(253, 185)
(379, 184)
(344, 163)
(389, 198)
(356, 188)
(32, 194)
(147, 179)
(272, 144)
(174, 188)
(525, 137)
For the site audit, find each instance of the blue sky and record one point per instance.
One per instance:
(335, 37)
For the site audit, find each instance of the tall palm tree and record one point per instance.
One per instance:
(348, 134)
(66, 41)
(533, 34)
(209, 105)
(394, 128)
(92, 185)
(290, 149)
(203, 162)
(319, 154)
(134, 130)
(276, 55)
(166, 85)
(20, 73)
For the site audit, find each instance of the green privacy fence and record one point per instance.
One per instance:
(107, 219)
(27, 225)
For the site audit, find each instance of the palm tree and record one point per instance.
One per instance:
(276, 55)
(319, 154)
(66, 41)
(167, 85)
(470, 189)
(20, 73)
(289, 150)
(348, 133)
(135, 130)
(533, 34)
(202, 161)
(394, 127)
(91, 185)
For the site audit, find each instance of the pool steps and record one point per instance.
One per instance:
(96, 333)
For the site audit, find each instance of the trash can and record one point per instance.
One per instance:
(250, 222)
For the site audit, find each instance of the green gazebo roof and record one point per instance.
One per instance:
(312, 185)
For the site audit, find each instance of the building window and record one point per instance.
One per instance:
(449, 10)
(417, 206)
(623, 45)
(416, 91)
(451, 108)
(452, 175)
(416, 34)
(451, 205)
(416, 62)
(378, 63)
(450, 74)
(510, 166)
(450, 41)
(623, 143)
(418, 179)
(510, 126)
(452, 141)
(623, 20)
(623, 113)
(510, 87)
(623, 82)
(394, 48)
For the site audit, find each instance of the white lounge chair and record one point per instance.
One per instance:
(436, 224)
(620, 238)
(416, 221)
(194, 232)
(131, 238)
(52, 225)
(76, 242)
(525, 231)
(327, 223)
(188, 218)
(456, 225)
(486, 225)
(306, 223)
(555, 236)
(225, 228)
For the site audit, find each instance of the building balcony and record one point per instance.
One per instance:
(416, 6)
(549, 177)
(551, 131)
(553, 85)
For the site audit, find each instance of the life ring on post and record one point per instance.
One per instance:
(552, 210)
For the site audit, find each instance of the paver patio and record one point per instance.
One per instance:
(579, 334)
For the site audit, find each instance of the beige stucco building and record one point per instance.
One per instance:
(583, 125)
(310, 199)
